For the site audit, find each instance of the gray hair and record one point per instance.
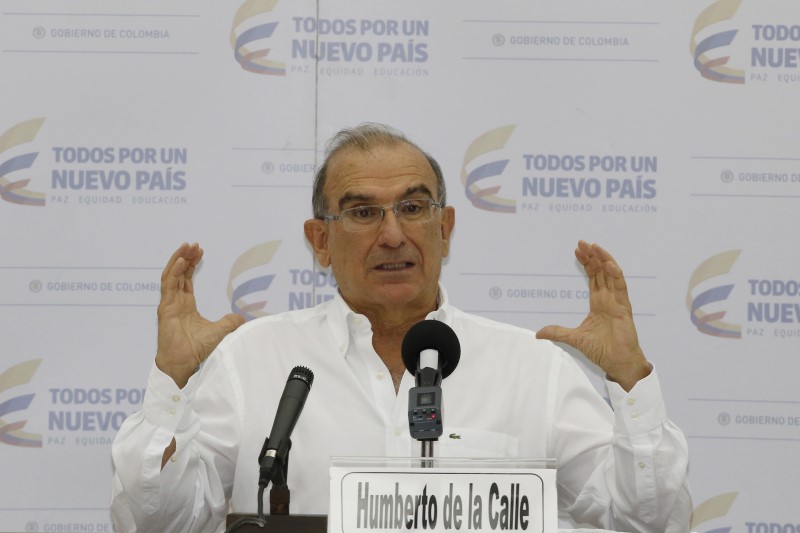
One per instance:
(365, 138)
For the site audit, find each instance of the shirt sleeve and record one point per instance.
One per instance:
(626, 470)
(190, 493)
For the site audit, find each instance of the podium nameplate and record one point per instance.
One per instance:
(446, 495)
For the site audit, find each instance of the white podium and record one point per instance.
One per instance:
(442, 495)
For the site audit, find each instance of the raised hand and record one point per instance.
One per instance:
(607, 336)
(185, 338)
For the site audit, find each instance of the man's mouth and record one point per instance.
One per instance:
(394, 266)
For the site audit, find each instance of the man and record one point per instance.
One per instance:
(382, 225)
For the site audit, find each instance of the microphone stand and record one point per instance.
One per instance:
(273, 461)
(427, 453)
(279, 494)
(276, 472)
(274, 468)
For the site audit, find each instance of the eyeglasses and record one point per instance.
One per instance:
(367, 217)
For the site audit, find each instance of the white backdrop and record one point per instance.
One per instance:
(665, 131)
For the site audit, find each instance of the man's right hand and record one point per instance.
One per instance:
(185, 338)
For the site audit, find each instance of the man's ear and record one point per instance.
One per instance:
(317, 236)
(448, 223)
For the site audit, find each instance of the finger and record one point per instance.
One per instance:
(196, 255)
(603, 254)
(177, 254)
(620, 285)
(584, 247)
(555, 334)
(583, 255)
(614, 274)
(593, 266)
(184, 267)
(172, 279)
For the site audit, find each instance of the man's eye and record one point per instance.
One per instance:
(411, 208)
(364, 213)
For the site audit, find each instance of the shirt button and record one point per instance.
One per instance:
(171, 411)
(341, 348)
(631, 401)
(173, 458)
(357, 321)
(176, 398)
(398, 431)
(635, 415)
(642, 465)
(379, 376)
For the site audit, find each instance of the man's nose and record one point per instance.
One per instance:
(391, 229)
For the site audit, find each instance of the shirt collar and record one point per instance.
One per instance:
(343, 321)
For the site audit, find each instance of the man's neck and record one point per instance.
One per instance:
(390, 319)
(387, 339)
(389, 328)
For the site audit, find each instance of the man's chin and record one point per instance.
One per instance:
(404, 293)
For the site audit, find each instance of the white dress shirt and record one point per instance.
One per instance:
(510, 396)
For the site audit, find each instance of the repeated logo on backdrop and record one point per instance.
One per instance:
(295, 43)
(706, 308)
(250, 283)
(83, 175)
(247, 297)
(712, 509)
(711, 55)
(728, 46)
(759, 306)
(77, 416)
(502, 172)
(12, 189)
(12, 432)
(719, 507)
(486, 197)
(250, 38)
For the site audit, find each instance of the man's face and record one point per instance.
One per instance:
(393, 267)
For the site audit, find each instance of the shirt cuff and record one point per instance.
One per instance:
(166, 405)
(640, 410)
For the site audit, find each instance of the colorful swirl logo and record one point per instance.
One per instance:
(250, 35)
(714, 68)
(11, 432)
(711, 322)
(245, 296)
(711, 509)
(486, 198)
(16, 192)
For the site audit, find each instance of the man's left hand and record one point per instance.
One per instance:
(607, 336)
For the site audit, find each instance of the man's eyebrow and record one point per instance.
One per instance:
(354, 197)
(358, 197)
(419, 188)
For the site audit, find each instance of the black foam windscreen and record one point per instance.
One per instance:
(431, 335)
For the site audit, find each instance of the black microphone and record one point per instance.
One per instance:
(274, 453)
(431, 335)
(425, 400)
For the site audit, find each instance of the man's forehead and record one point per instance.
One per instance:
(386, 156)
(402, 164)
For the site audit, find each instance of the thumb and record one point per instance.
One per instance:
(229, 323)
(555, 334)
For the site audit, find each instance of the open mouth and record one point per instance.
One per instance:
(389, 267)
